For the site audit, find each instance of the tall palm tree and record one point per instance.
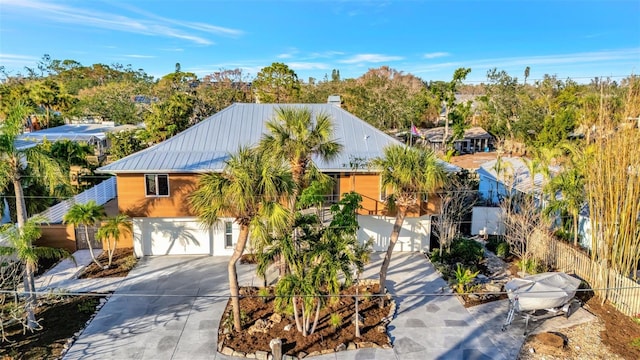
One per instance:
(111, 231)
(408, 173)
(294, 137)
(15, 162)
(87, 214)
(21, 246)
(251, 189)
(570, 185)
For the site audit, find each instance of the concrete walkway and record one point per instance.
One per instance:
(169, 307)
(63, 276)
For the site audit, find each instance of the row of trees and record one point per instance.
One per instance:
(542, 112)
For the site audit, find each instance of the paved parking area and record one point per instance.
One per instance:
(169, 308)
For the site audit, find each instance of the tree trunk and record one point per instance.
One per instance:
(296, 317)
(575, 230)
(315, 321)
(31, 298)
(86, 234)
(21, 208)
(233, 276)
(395, 233)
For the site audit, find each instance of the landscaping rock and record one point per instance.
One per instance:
(341, 347)
(491, 287)
(227, 351)
(262, 355)
(238, 354)
(276, 318)
(351, 346)
(302, 355)
(288, 327)
(260, 326)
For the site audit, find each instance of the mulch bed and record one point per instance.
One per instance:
(60, 319)
(620, 330)
(123, 262)
(326, 335)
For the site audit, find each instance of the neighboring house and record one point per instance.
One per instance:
(94, 134)
(501, 177)
(153, 185)
(55, 233)
(475, 139)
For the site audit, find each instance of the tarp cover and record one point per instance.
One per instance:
(542, 291)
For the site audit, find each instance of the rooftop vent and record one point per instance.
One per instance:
(334, 100)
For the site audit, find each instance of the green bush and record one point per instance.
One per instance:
(502, 250)
(335, 320)
(466, 251)
(464, 277)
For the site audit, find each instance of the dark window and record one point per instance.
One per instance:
(228, 234)
(157, 185)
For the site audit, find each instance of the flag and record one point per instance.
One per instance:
(414, 130)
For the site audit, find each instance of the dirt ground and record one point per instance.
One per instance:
(59, 317)
(327, 336)
(123, 262)
(610, 336)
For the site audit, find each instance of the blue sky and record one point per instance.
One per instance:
(430, 39)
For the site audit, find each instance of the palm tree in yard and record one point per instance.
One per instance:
(293, 136)
(111, 231)
(86, 215)
(16, 162)
(20, 241)
(570, 185)
(407, 173)
(250, 189)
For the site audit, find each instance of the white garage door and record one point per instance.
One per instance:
(167, 236)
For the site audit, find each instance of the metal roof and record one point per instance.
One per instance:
(206, 145)
(516, 173)
(72, 132)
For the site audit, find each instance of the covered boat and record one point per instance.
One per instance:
(542, 291)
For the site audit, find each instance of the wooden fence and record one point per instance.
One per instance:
(620, 290)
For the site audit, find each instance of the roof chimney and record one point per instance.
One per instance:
(334, 100)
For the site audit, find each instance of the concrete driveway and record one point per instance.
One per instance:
(169, 308)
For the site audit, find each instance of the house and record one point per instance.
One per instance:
(475, 139)
(153, 185)
(94, 134)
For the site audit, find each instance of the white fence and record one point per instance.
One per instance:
(100, 193)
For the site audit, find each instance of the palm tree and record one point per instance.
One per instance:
(570, 185)
(294, 137)
(21, 246)
(16, 162)
(409, 173)
(251, 189)
(87, 214)
(111, 230)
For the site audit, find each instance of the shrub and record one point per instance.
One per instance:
(88, 306)
(466, 251)
(502, 250)
(264, 294)
(464, 277)
(129, 262)
(335, 320)
(228, 322)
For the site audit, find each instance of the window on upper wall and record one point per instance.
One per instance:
(228, 234)
(385, 191)
(156, 185)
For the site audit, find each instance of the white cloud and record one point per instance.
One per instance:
(137, 56)
(370, 58)
(573, 58)
(17, 60)
(149, 24)
(434, 55)
(308, 66)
